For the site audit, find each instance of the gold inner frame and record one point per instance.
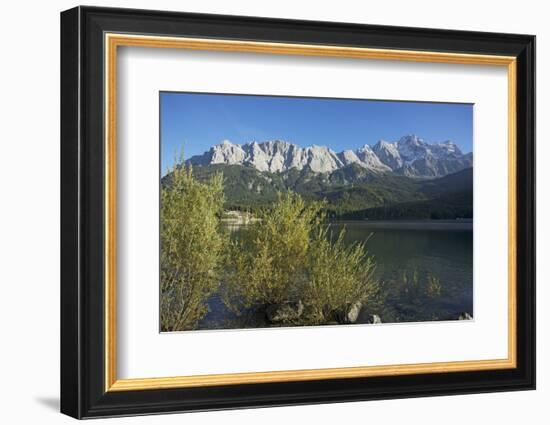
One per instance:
(113, 41)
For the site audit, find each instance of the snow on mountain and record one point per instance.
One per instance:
(413, 157)
(410, 156)
(411, 148)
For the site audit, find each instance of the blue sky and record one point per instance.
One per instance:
(194, 122)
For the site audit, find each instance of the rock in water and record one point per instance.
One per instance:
(285, 312)
(350, 313)
(374, 319)
(465, 316)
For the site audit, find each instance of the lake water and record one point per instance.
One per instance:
(442, 250)
(408, 255)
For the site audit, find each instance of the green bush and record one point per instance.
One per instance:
(339, 276)
(192, 247)
(288, 256)
(268, 266)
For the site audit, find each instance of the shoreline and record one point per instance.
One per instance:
(405, 224)
(449, 225)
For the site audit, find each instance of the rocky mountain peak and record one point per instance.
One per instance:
(410, 155)
(411, 140)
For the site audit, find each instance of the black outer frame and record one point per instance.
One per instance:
(82, 219)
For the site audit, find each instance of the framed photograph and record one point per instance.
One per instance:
(261, 212)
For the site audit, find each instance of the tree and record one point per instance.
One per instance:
(288, 256)
(268, 264)
(338, 277)
(192, 247)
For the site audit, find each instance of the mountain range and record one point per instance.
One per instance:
(405, 179)
(409, 156)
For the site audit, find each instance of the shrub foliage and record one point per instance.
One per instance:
(339, 276)
(268, 266)
(288, 256)
(192, 247)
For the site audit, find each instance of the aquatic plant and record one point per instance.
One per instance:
(433, 287)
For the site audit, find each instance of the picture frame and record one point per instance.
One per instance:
(90, 40)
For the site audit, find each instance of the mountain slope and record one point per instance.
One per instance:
(448, 197)
(351, 192)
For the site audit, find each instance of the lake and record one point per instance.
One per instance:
(425, 269)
